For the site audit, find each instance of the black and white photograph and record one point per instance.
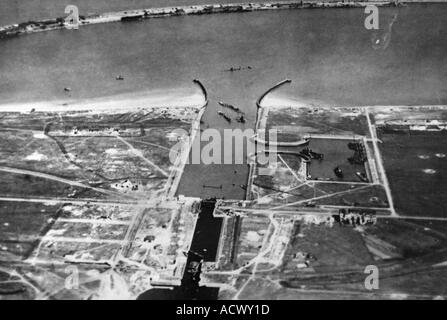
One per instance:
(216, 150)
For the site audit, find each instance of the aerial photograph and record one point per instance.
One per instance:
(223, 150)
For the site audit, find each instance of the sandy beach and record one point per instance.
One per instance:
(116, 103)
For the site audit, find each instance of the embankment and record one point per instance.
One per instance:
(140, 14)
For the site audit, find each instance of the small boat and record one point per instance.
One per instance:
(234, 69)
(212, 187)
(240, 119)
(229, 106)
(312, 154)
(119, 77)
(239, 68)
(220, 113)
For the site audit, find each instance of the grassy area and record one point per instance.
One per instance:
(309, 120)
(416, 167)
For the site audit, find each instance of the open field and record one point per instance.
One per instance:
(314, 120)
(415, 158)
(90, 190)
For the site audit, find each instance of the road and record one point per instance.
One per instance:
(379, 162)
(62, 180)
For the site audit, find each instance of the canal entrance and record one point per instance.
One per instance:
(203, 249)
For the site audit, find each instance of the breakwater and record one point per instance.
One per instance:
(141, 14)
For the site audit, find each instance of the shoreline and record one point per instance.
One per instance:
(113, 103)
(141, 14)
